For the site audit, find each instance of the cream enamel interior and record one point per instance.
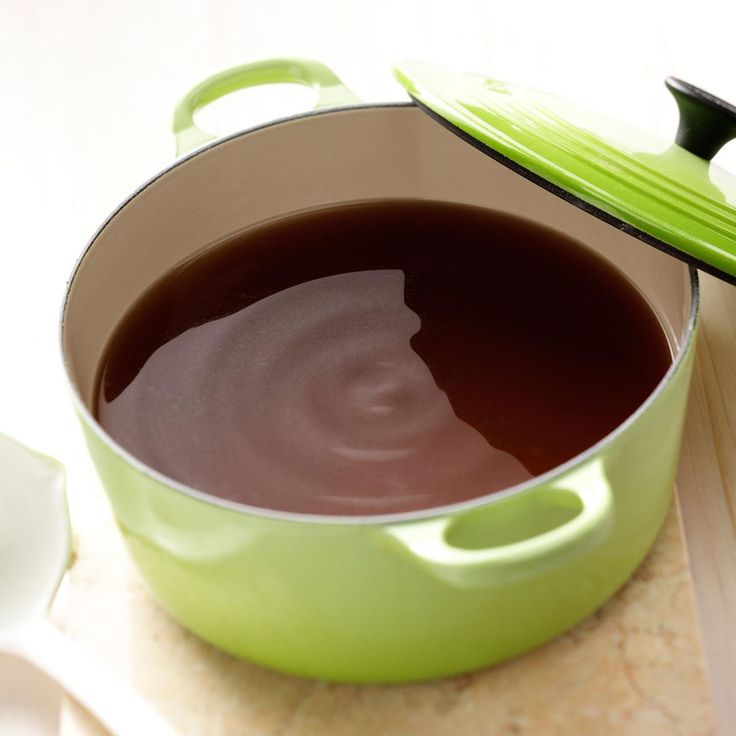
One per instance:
(340, 156)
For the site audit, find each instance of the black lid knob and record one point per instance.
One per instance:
(707, 123)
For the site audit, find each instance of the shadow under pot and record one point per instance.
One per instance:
(398, 595)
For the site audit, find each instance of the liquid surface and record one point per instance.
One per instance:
(378, 358)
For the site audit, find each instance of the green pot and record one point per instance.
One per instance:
(371, 599)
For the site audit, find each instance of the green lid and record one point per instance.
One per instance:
(668, 194)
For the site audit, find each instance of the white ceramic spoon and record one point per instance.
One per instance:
(35, 549)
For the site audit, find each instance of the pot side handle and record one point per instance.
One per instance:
(585, 490)
(329, 91)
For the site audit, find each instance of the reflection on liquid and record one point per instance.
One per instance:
(378, 357)
(333, 395)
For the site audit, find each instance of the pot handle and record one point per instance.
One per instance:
(586, 489)
(330, 91)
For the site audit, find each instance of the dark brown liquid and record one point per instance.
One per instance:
(377, 358)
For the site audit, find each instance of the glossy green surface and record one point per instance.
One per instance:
(403, 600)
(658, 187)
(329, 92)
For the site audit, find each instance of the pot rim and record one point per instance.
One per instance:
(374, 519)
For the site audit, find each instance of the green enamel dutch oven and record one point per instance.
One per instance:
(444, 590)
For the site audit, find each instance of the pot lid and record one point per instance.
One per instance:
(668, 194)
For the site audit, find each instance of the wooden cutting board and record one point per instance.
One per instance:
(635, 668)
